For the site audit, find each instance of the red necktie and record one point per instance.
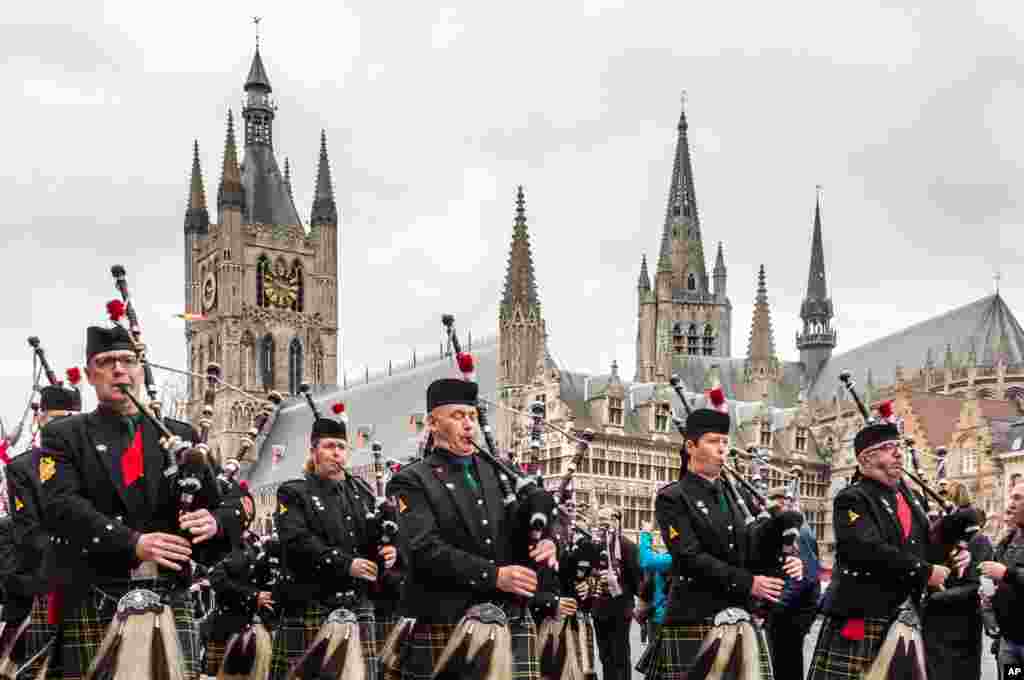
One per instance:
(903, 513)
(131, 460)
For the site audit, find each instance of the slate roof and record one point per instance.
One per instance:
(987, 323)
(267, 199)
(385, 403)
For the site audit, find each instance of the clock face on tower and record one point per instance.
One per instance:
(209, 292)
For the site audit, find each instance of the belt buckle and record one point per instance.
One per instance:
(146, 571)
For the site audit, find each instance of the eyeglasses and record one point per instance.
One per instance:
(107, 363)
(887, 446)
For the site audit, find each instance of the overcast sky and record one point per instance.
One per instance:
(909, 117)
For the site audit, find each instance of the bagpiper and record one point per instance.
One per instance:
(28, 589)
(321, 520)
(886, 562)
(466, 587)
(110, 482)
(718, 563)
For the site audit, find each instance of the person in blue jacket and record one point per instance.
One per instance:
(655, 566)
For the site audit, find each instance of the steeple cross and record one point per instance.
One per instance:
(256, 22)
(998, 277)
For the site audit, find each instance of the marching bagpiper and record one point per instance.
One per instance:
(887, 560)
(718, 563)
(463, 555)
(322, 524)
(28, 589)
(110, 481)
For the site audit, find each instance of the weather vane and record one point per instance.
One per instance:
(256, 22)
(817, 191)
(998, 277)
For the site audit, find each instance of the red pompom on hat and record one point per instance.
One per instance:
(115, 308)
(885, 410)
(716, 398)
(465, 361)
(244, 485)
(338, 408)
(74, 376)
(3, 452)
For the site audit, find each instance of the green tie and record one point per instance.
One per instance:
(467, 475)
(134, 422)
(722, 503)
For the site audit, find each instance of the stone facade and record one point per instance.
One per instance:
(265, 295)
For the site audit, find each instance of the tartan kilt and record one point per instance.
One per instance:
(422, 649)
(836, 658)
(296, 633)
(587, 641)
(671, 655)
(85, 625)
(214, 656)
(35, 637)
(383, 625)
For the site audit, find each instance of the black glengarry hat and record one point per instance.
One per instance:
(873, 435)
(331, 428)
(98, 340)
(451, 391)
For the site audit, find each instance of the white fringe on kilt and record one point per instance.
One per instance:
(141, 642)
(336, 652)
(902, 652)
(558, 640)
(480, 648)
(11, 634)
(247, 654)
(729, 647)
(393, 642)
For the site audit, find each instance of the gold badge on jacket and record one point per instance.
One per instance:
(853, 516)
(402, 505)
(47, 468)
(281, 508)
(672, 533)
(18, 505)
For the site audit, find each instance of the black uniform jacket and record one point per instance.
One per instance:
(322, 525)
(878, 568)
(1009, 598)
(457, 537)
(711, 550)
(35, 551)
(95, 520)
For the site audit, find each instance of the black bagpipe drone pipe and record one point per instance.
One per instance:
(135, 329)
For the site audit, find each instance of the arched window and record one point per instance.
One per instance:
(678, 342)
(766, 432)
(318, 364)
(709, 340)
(294, 365)
(691, 340)
(247, 361)
(691, 282)
(262, 272)
(267, 361)
(299, 286)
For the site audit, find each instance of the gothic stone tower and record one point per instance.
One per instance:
(267, 287)
(681, 314)
(521, 333)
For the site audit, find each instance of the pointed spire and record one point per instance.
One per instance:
(325, 211)
(645, 280)
(665, 254)
(682, 199)
(520, 282)
(230, 193)
(257, 74)
(816, 288)
(762, 342)
(720, 260)
(197, 217)
(288, 177)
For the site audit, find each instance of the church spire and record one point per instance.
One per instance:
(762, 342)
(197, 217)
(325, 211)
(288, 178)
(520, 284)
(682, 199)
(818, 338)
(230, 193)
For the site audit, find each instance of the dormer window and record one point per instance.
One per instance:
(692, 347)
(662, 416)
(615, 414)
(801, 438)
(691, 282)
(766, 433)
